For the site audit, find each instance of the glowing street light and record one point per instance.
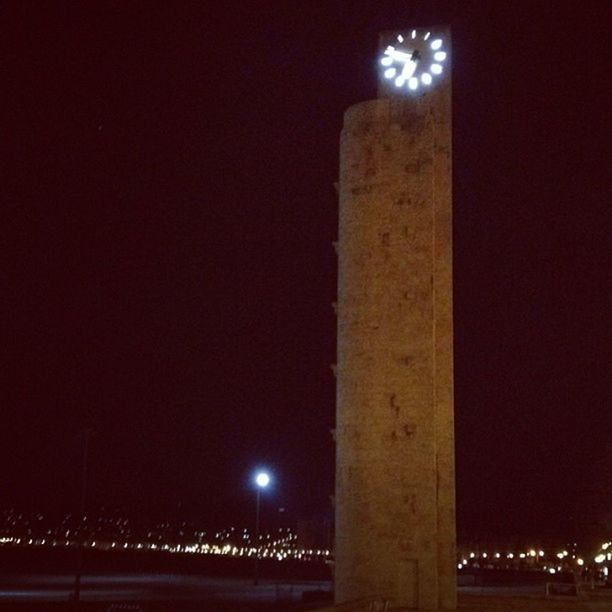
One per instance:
(262, 480)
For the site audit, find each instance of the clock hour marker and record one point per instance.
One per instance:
(439, 56)
(390, 73)
(386, 61)
(400, 38)
(413, 83)
(436, 44)
(426, 78)
(413, 35)
(427, 36)
(436, 69)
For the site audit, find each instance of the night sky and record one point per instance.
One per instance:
(168, 213)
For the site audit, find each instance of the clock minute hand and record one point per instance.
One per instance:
(408, 70)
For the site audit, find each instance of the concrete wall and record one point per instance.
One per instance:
(395, 508)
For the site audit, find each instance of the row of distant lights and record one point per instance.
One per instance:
(600, 558)
(280, 553)
(391, 54)
(606, 555)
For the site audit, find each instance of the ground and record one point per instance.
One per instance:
(155, 592)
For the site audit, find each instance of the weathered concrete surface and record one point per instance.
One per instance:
(395, 505)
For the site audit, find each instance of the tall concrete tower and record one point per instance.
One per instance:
(395, 493)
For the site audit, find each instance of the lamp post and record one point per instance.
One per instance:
(262, 480)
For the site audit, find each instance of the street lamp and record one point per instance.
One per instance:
(262, 480)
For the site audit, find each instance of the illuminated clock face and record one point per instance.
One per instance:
(413, 61)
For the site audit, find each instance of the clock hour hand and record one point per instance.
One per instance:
(408, 58)
(398, 56)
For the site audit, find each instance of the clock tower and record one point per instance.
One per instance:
(395, 485)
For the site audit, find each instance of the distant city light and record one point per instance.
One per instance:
(278, 544)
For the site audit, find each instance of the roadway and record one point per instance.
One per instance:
(153, 587)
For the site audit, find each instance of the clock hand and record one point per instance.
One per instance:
(399, 56)
(408, 70)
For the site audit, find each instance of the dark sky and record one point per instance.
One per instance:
(167, 220)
